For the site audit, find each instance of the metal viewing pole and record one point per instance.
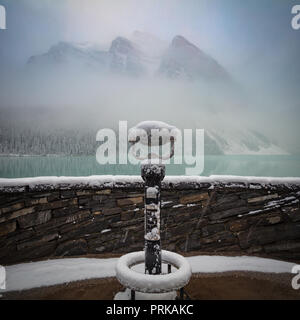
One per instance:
(152, 174)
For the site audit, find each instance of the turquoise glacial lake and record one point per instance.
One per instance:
(242, 165)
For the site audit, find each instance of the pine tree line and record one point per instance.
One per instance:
(28, 141)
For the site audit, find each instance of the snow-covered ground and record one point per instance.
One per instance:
(52, 272)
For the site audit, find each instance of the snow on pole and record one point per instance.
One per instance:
(152, 174)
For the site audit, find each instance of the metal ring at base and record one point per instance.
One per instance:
(153, 283)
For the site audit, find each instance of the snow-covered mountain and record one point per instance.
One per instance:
(240, 142)
(184, 60)
(69, 54)
(140, 55)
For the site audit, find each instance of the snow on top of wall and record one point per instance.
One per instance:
(126, 181)
(53, 182)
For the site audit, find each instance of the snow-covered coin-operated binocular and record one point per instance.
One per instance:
(153, 134)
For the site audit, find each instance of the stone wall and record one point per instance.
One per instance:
(47, 221)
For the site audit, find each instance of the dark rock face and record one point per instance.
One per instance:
(38, 223)
(184, 60)
(125, 58)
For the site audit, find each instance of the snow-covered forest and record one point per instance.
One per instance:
(31, 141)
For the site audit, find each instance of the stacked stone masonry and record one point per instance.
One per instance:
(43, 223)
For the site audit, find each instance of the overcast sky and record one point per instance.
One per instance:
(227, 28)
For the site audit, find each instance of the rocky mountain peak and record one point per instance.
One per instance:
(180, 41)
(121, 45)
(185, 60)
(141, 54)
